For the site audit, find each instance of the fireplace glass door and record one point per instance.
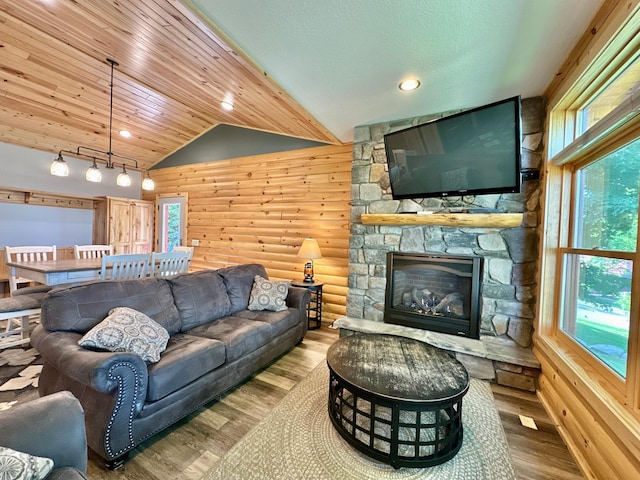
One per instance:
(434, 292)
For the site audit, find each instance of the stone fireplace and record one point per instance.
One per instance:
(507, 302)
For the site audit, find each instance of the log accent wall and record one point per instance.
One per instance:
(260, 208)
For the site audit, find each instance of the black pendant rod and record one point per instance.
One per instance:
(109, 152)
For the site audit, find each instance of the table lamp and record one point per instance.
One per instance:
(311, 250)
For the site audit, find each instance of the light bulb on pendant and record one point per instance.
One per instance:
(93, 173)
(148, 183)
(123, 180)
(59, 167)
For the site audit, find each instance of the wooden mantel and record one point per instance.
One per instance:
(495, 220)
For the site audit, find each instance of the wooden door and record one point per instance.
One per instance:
(120, 221)
(142, 227)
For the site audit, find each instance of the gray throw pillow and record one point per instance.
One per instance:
(268, 295)
(127, 330)
(16, 465)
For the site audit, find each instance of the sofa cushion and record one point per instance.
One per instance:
(21, 302)
(186, 359)
(201, 297)
(16, 465)
(127, 330)
(239, 335)
(280, 322)
(268, 295)
(80, 308)
(239, 281)
(33, 290)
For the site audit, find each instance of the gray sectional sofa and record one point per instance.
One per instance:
(215, 343)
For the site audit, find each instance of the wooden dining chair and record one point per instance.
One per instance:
(27, 254)
(18, 316)
(20, 312)
(184, 248)
(124, 267)
(82, 252)
(169, 263)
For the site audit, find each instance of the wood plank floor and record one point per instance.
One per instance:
(188, 449)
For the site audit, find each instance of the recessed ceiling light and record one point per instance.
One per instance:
(408, 85)
(228, 106)
(125, 133)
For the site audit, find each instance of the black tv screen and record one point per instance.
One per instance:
(474, 152)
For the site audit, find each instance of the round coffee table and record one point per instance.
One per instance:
(396, 399)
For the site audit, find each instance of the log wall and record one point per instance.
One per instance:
(260, 208)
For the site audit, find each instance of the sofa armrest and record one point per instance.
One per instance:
(111, 386)
(51, 427)
(298, 297)
(104, 372)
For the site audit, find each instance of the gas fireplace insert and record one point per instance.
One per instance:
(438, 292)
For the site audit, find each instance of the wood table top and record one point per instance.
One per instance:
(398, 368)
(63, 265)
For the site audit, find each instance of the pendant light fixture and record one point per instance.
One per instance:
(148, 183)
(60, 168)
(123, 180)
(93, 173)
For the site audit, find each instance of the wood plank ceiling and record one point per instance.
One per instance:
(174, 71)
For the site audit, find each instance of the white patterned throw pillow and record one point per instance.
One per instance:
(22, 466)
(268, 295)
(128, 330)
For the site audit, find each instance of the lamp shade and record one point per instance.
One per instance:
(148, 183)
(59, 167)
(93, 173)
(123, 179)
(310, 249)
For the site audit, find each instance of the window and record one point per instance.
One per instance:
(613, 95)
(598, 263)
(588, 326)
(594, 141)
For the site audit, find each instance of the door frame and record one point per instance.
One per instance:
(164, 196)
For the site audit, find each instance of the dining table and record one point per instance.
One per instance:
(58, 272)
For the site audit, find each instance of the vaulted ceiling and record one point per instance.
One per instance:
(307, 68)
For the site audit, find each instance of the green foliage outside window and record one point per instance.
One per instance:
(609, 221)
(173, 226)
(609, 201)
(606, 221)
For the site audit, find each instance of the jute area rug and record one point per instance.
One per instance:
(298, 441)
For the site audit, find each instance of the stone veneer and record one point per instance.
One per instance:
(509, 279)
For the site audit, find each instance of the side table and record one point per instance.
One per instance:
(314, 308)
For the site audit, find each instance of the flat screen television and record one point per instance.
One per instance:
(475, 152)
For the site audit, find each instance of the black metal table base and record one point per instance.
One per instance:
(402, 434)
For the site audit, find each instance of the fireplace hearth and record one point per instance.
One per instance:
(434, 292)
